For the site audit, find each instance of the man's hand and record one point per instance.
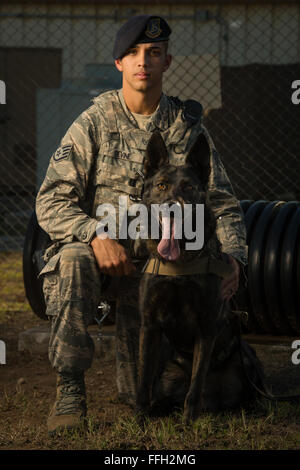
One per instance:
(112, 257)
(230, 285)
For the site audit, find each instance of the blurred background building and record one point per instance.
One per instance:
(238, 58)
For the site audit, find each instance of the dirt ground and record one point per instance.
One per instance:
(27, 391)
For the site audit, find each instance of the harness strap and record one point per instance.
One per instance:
(199, 266)
(111, 116)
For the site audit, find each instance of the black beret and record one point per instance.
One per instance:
(140, 29)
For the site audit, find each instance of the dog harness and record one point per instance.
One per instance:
(202, 265)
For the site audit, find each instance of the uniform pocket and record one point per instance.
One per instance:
(120, 179)
(50, 278)
(51, 266)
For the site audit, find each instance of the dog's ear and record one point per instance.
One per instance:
(156, 154)
(199, 158)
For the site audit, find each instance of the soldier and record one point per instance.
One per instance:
(100, 158)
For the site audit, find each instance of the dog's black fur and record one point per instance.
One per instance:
(185, 314)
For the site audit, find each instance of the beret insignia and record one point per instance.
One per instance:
(153, 28)
(62, 152)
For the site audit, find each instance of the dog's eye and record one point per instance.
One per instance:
(189, 187)
(162, 186)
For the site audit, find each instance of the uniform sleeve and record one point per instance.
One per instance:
(231, 228)
(60, 202)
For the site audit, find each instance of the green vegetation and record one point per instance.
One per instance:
(12, 294)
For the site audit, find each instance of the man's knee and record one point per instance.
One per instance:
(77, 253)
(77, 265)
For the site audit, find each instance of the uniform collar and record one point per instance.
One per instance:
(163, 117)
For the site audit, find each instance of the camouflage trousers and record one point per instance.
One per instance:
(73, 290)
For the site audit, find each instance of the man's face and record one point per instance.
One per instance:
(143, 66)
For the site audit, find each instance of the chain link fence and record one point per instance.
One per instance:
(238, 60)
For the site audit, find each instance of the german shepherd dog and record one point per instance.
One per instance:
(184, 313)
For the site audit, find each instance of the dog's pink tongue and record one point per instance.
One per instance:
(168, 247)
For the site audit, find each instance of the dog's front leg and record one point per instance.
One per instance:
(149, 355)
(193, 404)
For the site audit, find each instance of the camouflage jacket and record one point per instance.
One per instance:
(101, 157)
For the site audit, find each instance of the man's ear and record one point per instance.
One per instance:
(156, 154)
(168, 62)
(199, 158)
(118, 64)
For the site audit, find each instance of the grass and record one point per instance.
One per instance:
(25, 404)
(263, 429)
(12, 293)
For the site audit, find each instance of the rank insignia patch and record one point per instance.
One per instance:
(62, 152)
(153, 28)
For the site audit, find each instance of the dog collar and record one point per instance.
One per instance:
(203, 265)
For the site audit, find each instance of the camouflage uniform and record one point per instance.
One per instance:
(100, 158)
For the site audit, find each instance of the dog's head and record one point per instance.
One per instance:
(177, 185)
